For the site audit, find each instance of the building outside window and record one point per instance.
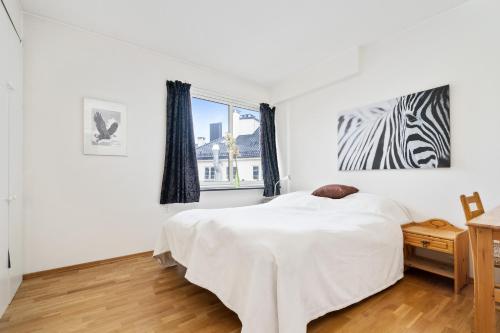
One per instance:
(213, 118)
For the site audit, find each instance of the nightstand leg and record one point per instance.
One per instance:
(408, 251)
(461, 261)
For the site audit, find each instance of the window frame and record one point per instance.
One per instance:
(232, 103)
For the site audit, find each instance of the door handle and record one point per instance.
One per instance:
(11, 198)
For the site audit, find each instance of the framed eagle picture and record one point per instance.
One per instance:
(105, 128)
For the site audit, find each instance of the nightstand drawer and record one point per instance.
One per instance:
(428, 242)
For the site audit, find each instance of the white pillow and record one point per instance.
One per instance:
(358, 203)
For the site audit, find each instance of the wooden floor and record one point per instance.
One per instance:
(137, 295)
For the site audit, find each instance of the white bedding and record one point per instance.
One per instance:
(282, 264)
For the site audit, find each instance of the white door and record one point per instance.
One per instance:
(4, 195)
(4, 170)
(15, 114)
(15, 218)
(10, 160)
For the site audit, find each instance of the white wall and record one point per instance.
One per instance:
(459, 47)
(82, 208)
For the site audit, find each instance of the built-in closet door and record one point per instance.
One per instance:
(4, 203)
(11, 129)
(15, 114)
(4, 169)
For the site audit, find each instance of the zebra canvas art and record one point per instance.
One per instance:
(407, 132)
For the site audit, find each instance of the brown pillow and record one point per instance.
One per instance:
(334, 191)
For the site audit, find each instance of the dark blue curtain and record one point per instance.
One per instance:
(268, 151)
(180, 175)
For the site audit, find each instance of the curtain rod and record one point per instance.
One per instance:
(11, 22)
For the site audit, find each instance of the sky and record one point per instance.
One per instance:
(207, 112)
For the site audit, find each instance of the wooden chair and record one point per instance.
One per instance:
(468, 203)
(472, 212)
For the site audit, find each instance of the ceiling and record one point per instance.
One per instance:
(263, 41)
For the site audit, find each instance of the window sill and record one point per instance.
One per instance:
(222, 188)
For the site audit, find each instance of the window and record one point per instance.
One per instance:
(213, 119)
(209, 173)
(227, 171)
(255, 173)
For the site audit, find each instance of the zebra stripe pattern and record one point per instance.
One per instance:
(407, 132)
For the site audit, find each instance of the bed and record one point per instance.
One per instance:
(282, 264)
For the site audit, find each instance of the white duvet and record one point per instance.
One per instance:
(282, 264)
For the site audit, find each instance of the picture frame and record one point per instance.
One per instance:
(104, 128)
(406, 132)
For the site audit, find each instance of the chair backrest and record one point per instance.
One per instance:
(467, 201)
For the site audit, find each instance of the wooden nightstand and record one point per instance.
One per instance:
(440, 236)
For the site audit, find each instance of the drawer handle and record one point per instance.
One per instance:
(425, 243)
